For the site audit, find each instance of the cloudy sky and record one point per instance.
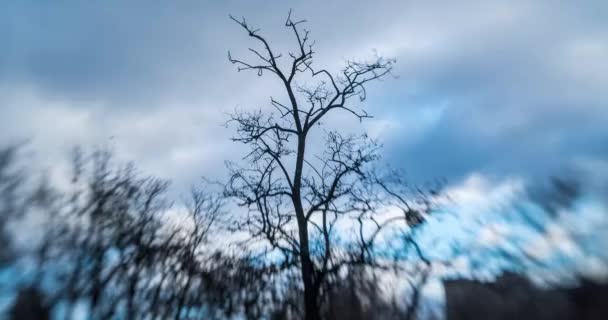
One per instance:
(490, 95)
(494, 88)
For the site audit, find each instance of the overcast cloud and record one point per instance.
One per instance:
(498, 88)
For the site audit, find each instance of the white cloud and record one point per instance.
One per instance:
(595, 268)
(493, 235)
(478, 194)
(181, 143)
(555, 241)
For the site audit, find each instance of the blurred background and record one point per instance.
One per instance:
(122, 138)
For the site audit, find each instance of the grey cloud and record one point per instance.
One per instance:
(122, 53)
(505, 87)
(518, 100)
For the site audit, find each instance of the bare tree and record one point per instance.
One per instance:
(106, 242)
(9, 182)
(296, 198)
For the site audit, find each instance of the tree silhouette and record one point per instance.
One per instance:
(296, 198)
(110, 241)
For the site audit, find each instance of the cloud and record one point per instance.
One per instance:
(181, 146)
(501, 88)
(471, 222)
(496, 223)
(518, 97)
(555, 241)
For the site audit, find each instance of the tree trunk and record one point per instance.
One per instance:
(311, 308)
